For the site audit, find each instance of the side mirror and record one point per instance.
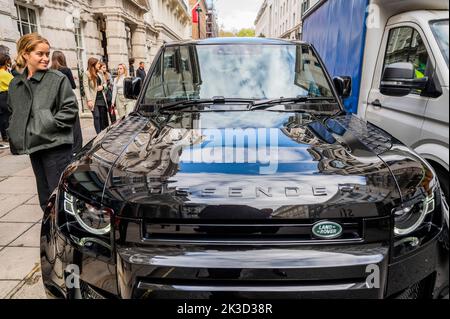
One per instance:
(400, 78)
(343, 85)
(132, 88)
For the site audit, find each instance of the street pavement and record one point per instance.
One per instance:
(20, 220)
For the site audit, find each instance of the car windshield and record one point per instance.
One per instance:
(248, 72)
(440, 30)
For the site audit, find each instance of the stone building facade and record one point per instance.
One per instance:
(282, 18)
(112, 30)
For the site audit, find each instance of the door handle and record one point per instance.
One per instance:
(376, 103)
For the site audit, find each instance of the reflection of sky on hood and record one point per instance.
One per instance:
(254, 119)
(233, 71)
(244, 143)
(230, 151)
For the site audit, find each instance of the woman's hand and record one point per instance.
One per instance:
(90, 105)
(100, 88)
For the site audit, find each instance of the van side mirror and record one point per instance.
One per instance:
(132, 88)
(399, 79)
(343, 85)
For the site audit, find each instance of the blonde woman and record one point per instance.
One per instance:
(43, 112)
(119, 102)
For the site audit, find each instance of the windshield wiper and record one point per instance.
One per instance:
(293, 100)
(219, 100)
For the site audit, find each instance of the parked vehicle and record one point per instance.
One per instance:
(240, 175)
(398, 55)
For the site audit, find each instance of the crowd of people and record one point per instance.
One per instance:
(39, 108)
(104, 95)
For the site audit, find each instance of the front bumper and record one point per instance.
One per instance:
(358, 271)
(248, 272)
(324, 269)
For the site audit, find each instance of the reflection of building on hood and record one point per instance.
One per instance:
(302, 135)
(332, 158)
(293, 212)
(297, 129)
(152, 158)
(335, 159)
(156, 151)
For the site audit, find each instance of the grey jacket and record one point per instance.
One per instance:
(42, 119)
(90, 89)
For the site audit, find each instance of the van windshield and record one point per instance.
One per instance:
(440, 30)
(242, 71)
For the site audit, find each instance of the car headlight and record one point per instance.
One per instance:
(410, 217)
(95, 220)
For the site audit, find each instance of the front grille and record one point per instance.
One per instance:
(242, 231)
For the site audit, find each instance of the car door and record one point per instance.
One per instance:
(401, 116)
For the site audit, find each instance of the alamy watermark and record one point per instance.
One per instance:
(373, 279)
(72, 276)
(231, 145)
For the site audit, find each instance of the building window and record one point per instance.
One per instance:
(128, 39)
(26, 19)
(81, 65)
(305, 6)
(79, 44)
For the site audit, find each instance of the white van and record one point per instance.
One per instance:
(405, 80)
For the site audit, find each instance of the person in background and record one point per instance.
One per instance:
(59, 63)
(120, 103)
(4, 49)
(106, 75)
(108, 93)
(16, 70)
(94, 92)
(43, 112)
(140, 72)
(131, 64)
(5, 80)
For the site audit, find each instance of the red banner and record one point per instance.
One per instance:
(195, 14)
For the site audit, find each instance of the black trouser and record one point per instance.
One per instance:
(48, 165)
(77, 136)
(100, 117)
(4, 115)
(4, 123)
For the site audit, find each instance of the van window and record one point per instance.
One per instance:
(440, 31)
(406, 45)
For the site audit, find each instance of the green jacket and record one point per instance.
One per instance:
(42, 112)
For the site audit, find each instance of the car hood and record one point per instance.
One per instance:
(260, 163)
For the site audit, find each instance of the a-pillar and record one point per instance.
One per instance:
(116, 41)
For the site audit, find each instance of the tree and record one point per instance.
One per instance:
(226, 34)
(246, 32)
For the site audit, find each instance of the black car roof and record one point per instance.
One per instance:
(231, 40)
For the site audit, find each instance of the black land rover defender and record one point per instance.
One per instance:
(238, 174)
